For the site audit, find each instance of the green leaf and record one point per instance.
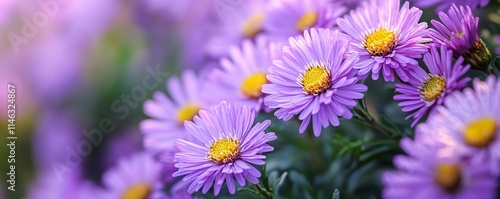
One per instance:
(277, 184)
(245, 189)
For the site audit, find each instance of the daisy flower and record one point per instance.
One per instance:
(471, 120)
(459, 33)
(315, 79)
(291, 17)
(225, 147)
(445, 4)
(387, 38)
(242, 75)
(137, 176)
(424, 91)
(61, 184)
(426, 173)
(169, 114)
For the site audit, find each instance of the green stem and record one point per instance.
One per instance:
(265, 194)
(364, 116)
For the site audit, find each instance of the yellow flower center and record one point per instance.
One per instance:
(448, 177)
(380, 42)
(138, 191)
(307, 21)
(224, 151)
(433, 88)
(252, 26)
(187, 113)
(316, 80)
(481, 132)
(252, 86)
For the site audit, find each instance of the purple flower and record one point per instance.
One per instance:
(291, 17)
(240, 20)
(53, 185)
(169, 114)
(137, 176)
(225, 148)
(425, 91)
(387, 38)
(445, 4)
(458, 32)
(426, 173)
(315, 79)
(471, 120)
(242, 75)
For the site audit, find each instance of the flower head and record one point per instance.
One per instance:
(315, 79)
(470, 121)
(225, 146)
(435, 175)
(445, 4)
(458, 32)
(386, 37)
(425, 91)
(291, 17)
(242, 75)
(169, 115)
(137, 176)
(240, 20)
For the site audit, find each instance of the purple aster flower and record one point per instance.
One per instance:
(387, 38)
(49, 184)
(315, 79)
(291, 17)
(425, 91)
(471, 120)
(240, 20)
(458, 32)
(445, 4)
(224, 150)
(242, 75)
(137, 176)
(51, 140)
(426, 173)
(168, 115)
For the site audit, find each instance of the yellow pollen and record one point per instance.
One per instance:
(187, 113)
(224, 151)
(307, 21)
(138, 191)
(459, 35)
(380, 42)
(433, 88)
(252, 26)
(448, 177)
(252, 86)
(481, 132)
(316, 80)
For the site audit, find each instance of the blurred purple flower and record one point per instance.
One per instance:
(226, 145)
(136, 176)
(445, 4)
(56, 133)
(459, 32)
(472, 121)
(120, 146)
(426, 173)
(69, 185)
(169, 114)
(314, 79)
(243, 20)
(286, 18)
(387, 37)
(425, 90)
(242, 75)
